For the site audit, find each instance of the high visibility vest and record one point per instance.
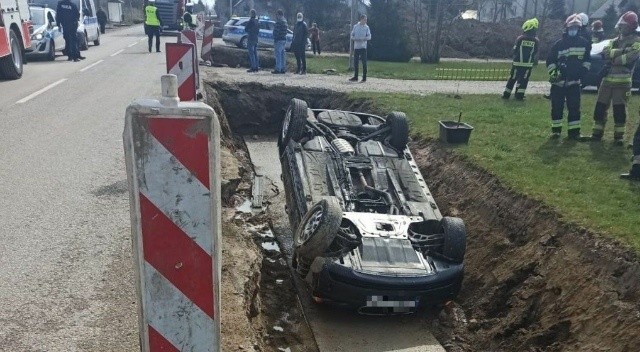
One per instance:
(152, 16)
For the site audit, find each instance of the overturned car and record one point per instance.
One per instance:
(367, 231)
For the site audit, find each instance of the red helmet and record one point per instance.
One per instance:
(597, 25)
(629, 19)
(573, 21)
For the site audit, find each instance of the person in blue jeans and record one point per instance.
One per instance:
(252, 28)
(279, 41)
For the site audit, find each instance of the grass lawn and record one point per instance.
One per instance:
(413, 70)
(579, 180)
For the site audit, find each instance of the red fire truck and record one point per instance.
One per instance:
(14, 37)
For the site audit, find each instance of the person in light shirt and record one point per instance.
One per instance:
(360, 36)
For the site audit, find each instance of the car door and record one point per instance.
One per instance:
(58, 40)
(90, 20)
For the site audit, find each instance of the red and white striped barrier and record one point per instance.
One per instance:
(207, 41)
(188, 36)
(180, 63)
(173, 167)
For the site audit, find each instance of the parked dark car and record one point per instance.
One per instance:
(367, 231)
(594, 76)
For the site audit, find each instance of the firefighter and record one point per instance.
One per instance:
(634, 173)
(597, 32)
(187, 18)
(568, 60)
(585, 32)
(67, 16)
(620, 57)
(525, 53)
(152, 24)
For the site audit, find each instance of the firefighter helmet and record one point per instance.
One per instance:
(573, 21)
(597, 26)
(529, 25)
(629, 19)
(583, 18)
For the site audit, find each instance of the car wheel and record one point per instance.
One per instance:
(243, 42)
(11, 65)
(83, 43)
(455, 239)
(294, 121)
(399, 125)
(51, 54)
(317, 230)
(97, 41)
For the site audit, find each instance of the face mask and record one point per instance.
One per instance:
(572, 32)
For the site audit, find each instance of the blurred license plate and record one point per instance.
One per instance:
(397, 304)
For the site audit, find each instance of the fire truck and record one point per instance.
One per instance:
(14, 37)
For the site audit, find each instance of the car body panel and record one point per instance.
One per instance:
(234, 32)
(88, 23)
(43, 33)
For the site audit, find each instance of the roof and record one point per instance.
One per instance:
(600, 12)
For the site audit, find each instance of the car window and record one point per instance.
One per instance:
(231, 22)
(88, 7)
(37, 16)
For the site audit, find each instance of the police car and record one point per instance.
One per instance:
(46, 39)
(88, 29)
(234, 33)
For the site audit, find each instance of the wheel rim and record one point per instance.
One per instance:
(312, 225)
(16, 54)
(285, 124)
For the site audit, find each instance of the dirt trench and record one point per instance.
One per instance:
(533, 280)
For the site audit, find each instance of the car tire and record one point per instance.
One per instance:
(455, 239)
(11, 66)
(51, 54)
(317, 229)
(399, 125)
(97, 41)
(294, 122)
(243, 43)
(83, 43)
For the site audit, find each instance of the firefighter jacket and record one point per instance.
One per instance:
(620, 58)
(568, 60)
(525, 51)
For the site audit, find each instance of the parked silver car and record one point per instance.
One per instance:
(46, 38)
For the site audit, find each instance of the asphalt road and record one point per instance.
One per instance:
(66, 274)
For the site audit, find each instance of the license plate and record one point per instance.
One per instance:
(395, 303)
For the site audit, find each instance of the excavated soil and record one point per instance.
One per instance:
(533, 280)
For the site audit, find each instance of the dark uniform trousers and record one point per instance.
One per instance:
(71, 41)
(519, 75)
(571, 96)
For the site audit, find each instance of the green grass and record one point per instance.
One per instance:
(411, 70)
(510, 140)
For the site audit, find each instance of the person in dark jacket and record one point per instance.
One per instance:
(525, 55)
(67, 16)
(597, 32)
(279, 42)
(315, 38)
(299, 44)
(252, 28)
(568, 61)
(102, 20)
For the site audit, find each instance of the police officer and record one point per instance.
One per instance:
(567, 62)
(67, 16)
(152, 24)
(525, 55)
(620, 58)
(187, 18)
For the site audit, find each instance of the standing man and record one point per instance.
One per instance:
(315, 38)
(102, 19)
(525, 55)
(597, 32)
(152, 24)
(279, 42)
(67, 16)
(252, 28)
(299, 44)
(567, 62)
(360, 36)
(187, 19)
(620, 58)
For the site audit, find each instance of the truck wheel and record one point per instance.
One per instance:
(317, 229)
(294, 121)
(11, 65)
(455, 239)
(399, 129)
(51, 54)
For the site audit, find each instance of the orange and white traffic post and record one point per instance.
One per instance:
(207, 42)
(173, 167)
(180, 63)
(188, 36)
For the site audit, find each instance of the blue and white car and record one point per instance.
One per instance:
(46, 38)
(234, 33)
(88, 29)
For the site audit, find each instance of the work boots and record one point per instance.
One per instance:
(574, 135)
(633, 174)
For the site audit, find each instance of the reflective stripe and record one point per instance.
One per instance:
(619, 129)
(623, 58)
(507, 90)
(551, 68)
(521, 90)
(636, 159)
(556, 123)
(523, 64)
(574, 125)
(598, 127)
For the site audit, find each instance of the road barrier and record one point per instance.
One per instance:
(207, 42)
(188, 36)
(180, 63)
(172, 152)
(472, 74)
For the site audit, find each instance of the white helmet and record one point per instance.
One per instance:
(584, 19)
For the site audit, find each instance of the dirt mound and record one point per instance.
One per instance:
(533, 281)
